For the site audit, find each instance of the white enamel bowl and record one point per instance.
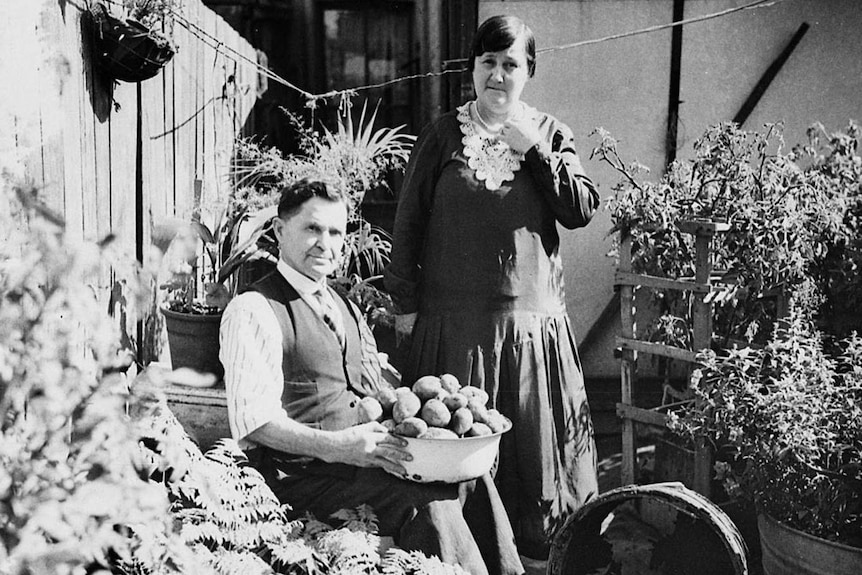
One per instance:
(452, 460)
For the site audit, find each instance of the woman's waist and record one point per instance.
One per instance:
(466, 301)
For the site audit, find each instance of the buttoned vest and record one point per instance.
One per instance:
(319, 380)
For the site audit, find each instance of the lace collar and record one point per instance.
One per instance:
(493, 161)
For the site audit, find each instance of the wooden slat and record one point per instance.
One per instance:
(71, 95)
(627, 364)
(51, 74)
(657, 349)
(123, 129)
(632, 279)
(702, 227)
(185, 101)
(641, 415)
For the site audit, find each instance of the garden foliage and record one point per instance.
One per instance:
(779, 391)
(794, 219)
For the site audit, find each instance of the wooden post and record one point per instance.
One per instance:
(627, 363)
(702, 339)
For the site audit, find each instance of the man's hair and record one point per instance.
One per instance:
(296, 194)
(499, 33)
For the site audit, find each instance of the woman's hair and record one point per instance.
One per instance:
(296, 194)
(498, 33)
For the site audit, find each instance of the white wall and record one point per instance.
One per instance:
(622, 85)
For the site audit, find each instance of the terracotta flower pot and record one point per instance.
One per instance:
(193, 341)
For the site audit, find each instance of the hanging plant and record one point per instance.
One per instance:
(135, 44)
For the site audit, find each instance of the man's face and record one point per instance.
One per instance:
(311, 239)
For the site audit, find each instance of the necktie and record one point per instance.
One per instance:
(331, 315)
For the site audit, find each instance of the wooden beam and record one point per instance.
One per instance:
(675, 73)
(641, 415)
(627, 278)
(657, 349)
(770, 74)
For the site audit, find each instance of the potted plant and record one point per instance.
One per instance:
(134, 43)
(787, 419)
(202, 261)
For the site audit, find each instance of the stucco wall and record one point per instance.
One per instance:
(622, 85)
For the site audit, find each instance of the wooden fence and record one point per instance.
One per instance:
(112, 158)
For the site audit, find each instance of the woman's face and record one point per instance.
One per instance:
(500, 77)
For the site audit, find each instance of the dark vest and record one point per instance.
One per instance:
(319, 381)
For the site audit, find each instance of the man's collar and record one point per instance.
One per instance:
(300, 282)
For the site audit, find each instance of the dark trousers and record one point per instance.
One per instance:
(463, 524)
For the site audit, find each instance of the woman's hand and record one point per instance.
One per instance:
(371, 445)
(404, 326)
(520, 135)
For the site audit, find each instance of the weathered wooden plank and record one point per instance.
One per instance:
(124, 145)
(702, 227)
(641, 415)
(153, 136)
(71, 95)
(208, 125)
(657, 349)
(183, 123)
(632, 279)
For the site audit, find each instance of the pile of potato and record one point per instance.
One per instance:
(434, 407)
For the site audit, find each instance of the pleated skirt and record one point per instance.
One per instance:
(529, 365)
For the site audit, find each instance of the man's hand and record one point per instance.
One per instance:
(370, 445)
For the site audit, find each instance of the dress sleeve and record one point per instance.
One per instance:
(402, 276)
(557, 168)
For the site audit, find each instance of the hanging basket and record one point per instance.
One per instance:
(126, 49)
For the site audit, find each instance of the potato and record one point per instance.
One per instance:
(470, 391)
(438, 433)
(435, 413)
(389, 424)
(411, 427)
(496, 421)
(408, 405)
(427, 387)
(478, 430)
(387, 398)
(480, 412)
(455, 401)
(450, 383)
(462, 420)
(369, 410)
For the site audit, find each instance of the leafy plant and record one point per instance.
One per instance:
(203, 253)
(794, 219)
(354, 157)
(233, 522)
(70, 483)
(157, 15)
(788, 419)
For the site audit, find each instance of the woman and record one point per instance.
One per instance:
(477, 275)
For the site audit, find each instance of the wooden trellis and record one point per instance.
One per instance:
(701, 322)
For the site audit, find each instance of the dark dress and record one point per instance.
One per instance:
(482, 269)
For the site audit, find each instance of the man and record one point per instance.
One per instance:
(297, 360)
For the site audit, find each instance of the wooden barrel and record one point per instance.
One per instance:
(649, 529)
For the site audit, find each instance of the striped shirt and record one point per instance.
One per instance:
(251, 350)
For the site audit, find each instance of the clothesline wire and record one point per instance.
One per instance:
(312, 99)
